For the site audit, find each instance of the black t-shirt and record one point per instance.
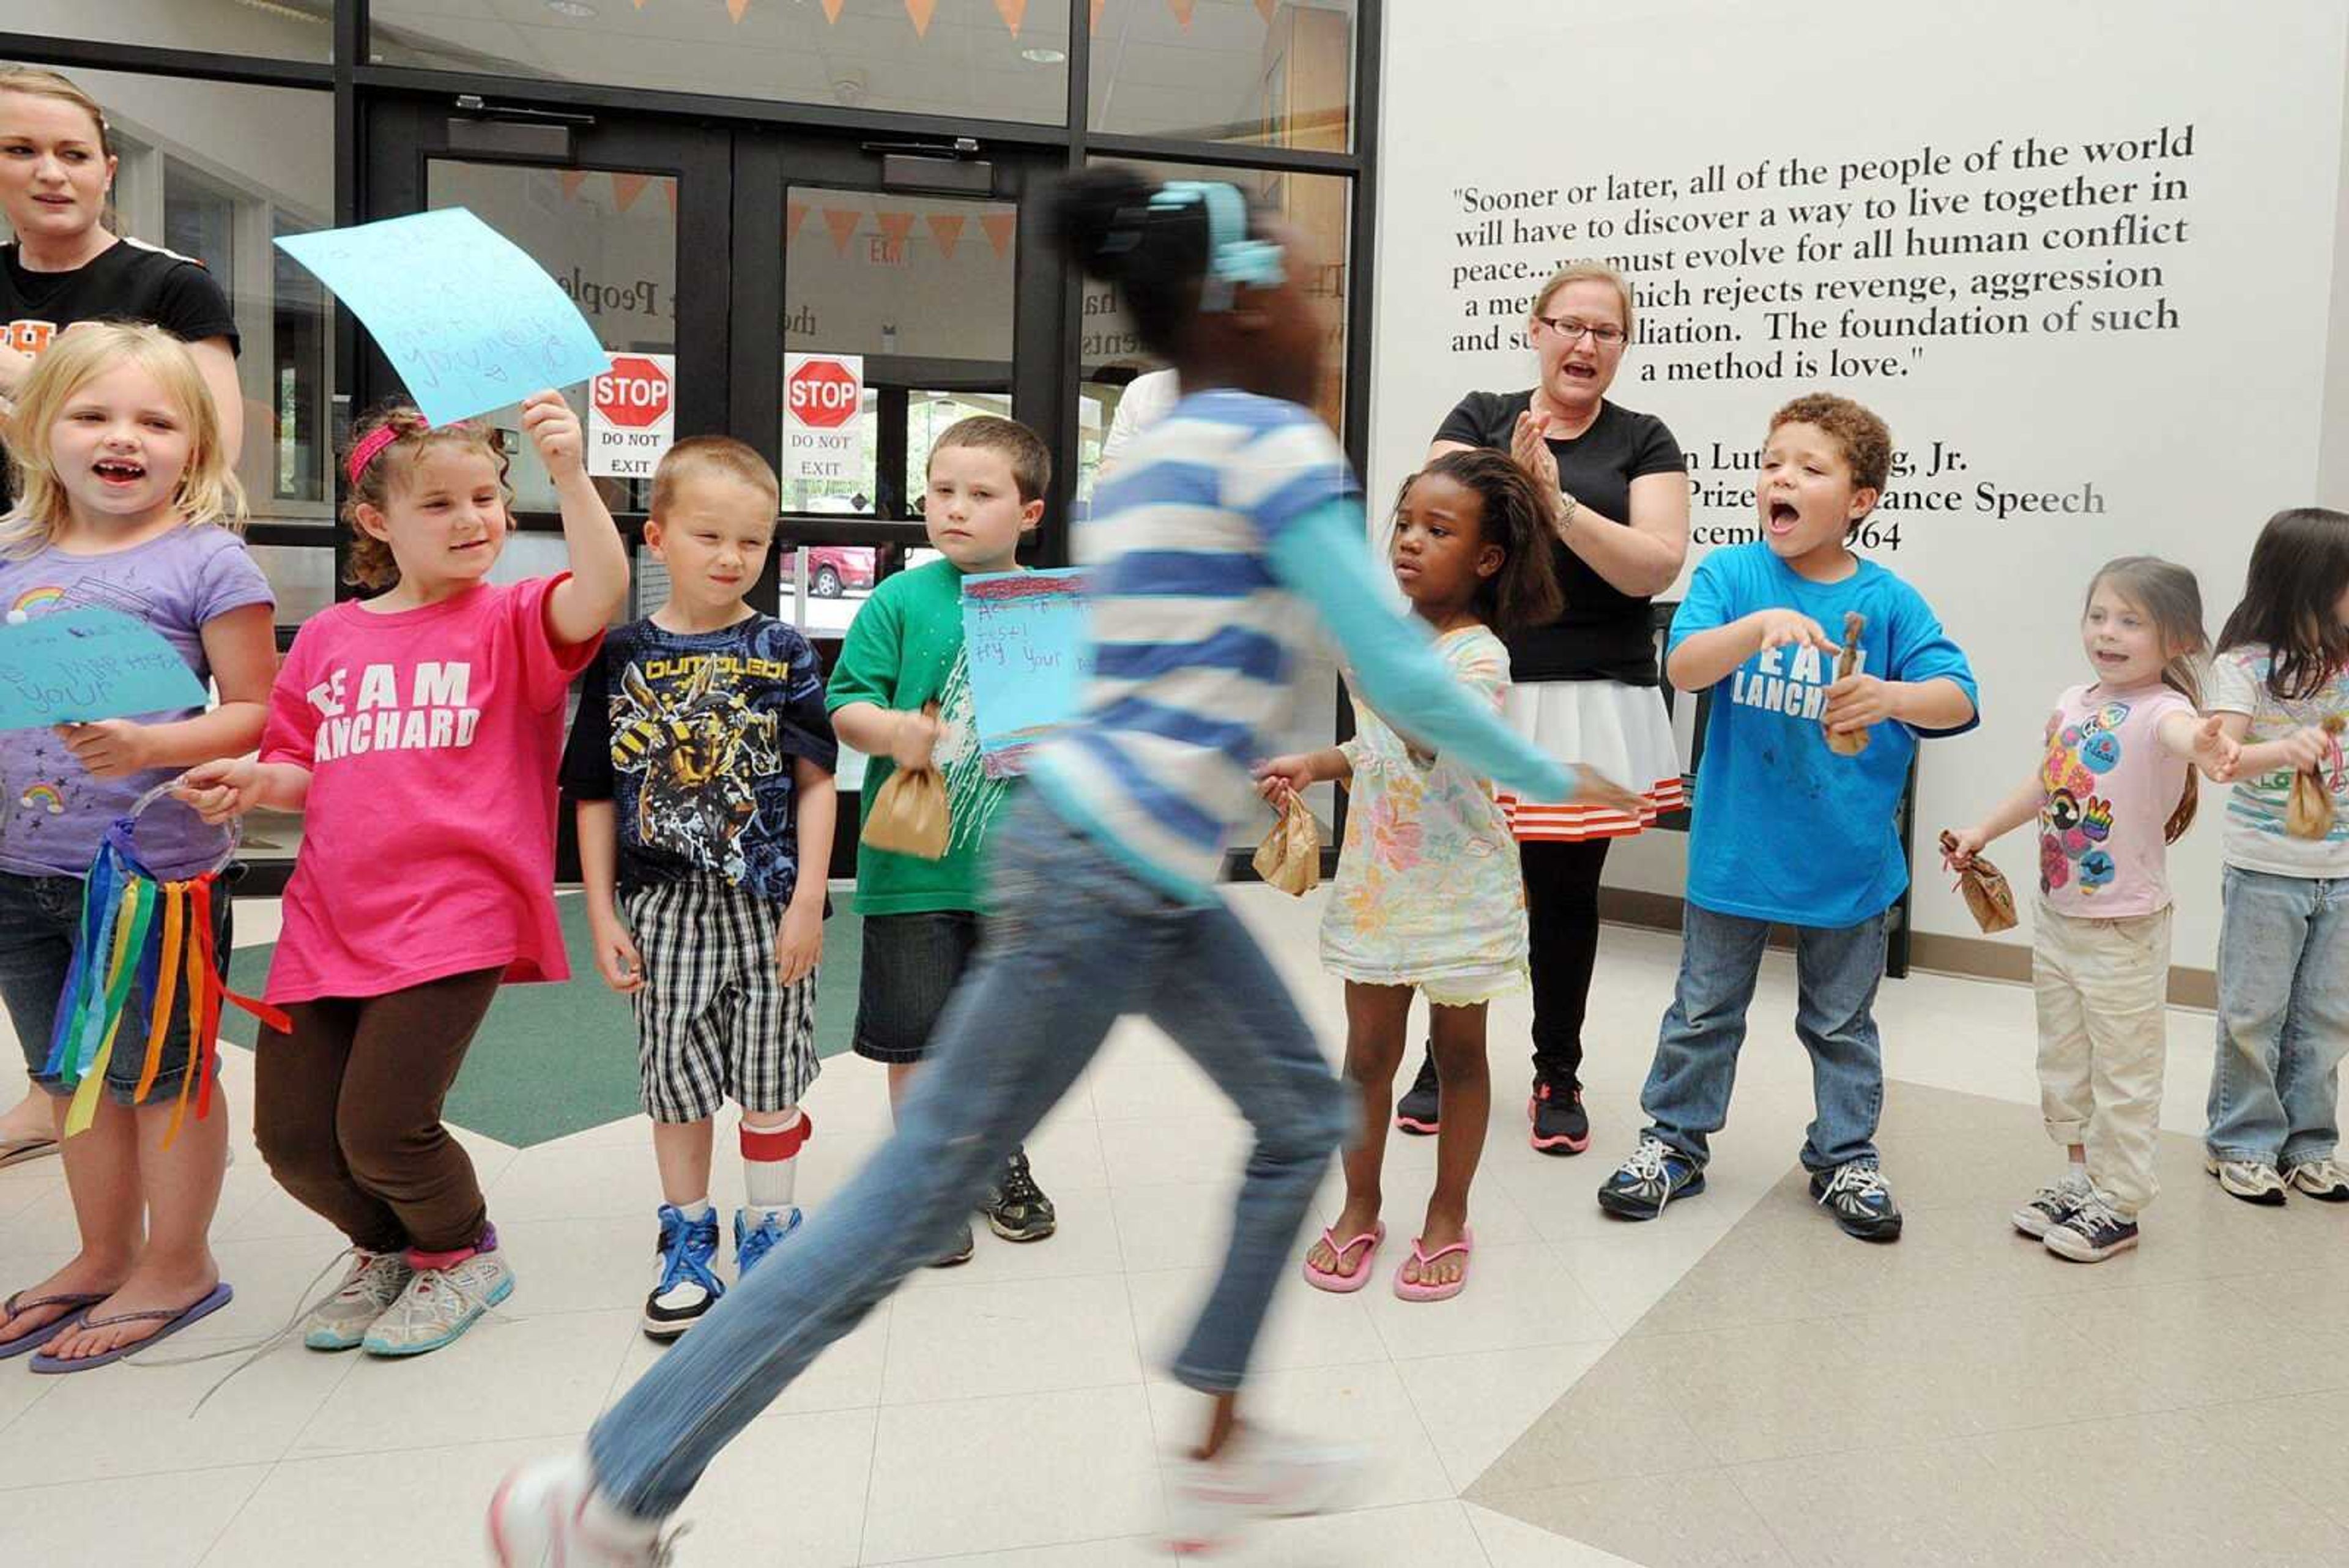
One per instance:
(691, 736)
(1603, 634)
(129, 281)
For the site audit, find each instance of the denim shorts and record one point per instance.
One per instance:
(912, 965)
(40, 918)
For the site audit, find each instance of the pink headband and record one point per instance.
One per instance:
(368, 446)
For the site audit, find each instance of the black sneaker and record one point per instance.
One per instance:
(1016, 1207)
(688, 1288)
(1654, 1175)
(1418, 1112)
(1560, 1126)
(2094, 1231)
(960, 1255)
(2054, 1203)
(1860, 1199)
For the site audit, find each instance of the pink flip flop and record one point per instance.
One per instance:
(1331, 1280)
(1411, 1291)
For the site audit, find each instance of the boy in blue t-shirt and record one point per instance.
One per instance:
(1787, 830)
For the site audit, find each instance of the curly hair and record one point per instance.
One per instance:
(1866, 439)
(371, 564)
(1525, 592)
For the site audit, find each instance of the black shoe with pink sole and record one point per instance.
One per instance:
(1560, 1128)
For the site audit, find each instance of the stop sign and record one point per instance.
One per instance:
(823, 394)
(635, 394)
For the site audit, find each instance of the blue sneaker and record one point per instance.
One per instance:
(1861, 1201)
(752, 1243)
(1654, 1175)
(687, 1287)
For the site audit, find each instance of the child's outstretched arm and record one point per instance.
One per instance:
(1322, 558)
(1856, 701)
(583, 604)
(231, 786)
(2202, 741)
(2008, 815)
(906, 738)
(242, 649)
(1299, 771)
(1705, 658)
(2295, 751)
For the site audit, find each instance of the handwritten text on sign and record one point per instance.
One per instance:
(469, 321)
(77, 665)
(1029, 646)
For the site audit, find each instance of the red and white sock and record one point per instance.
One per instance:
(771, 1159)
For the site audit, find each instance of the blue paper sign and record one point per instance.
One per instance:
(466, 318)
(76, 665)
(1030, 648)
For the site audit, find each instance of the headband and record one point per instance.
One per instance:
(366, 449)
(1233, 258)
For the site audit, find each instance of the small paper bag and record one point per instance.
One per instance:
(1850, 743)
(909, 814)
(1290, 855)
(2308, 813)
(1984, 889)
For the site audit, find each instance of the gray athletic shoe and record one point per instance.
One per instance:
(439, 1304)
(374, 1282)
(2056, 1202)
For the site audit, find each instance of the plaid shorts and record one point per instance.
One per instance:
(713, 1021)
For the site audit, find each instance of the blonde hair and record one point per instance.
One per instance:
(2170, 597)
(1588, 271)
(711, 454)
(372, 564)
(35, 82)
(208, 491)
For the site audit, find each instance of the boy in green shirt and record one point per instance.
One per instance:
(905, 650)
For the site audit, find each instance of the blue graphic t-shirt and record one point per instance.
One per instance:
(692, 736)
(1786, 830)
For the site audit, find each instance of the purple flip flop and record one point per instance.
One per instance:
(26, 1343)
(173, 1321)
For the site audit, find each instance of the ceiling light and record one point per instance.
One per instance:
(578, 10)
(1043, 56)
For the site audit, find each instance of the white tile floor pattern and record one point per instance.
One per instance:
(1014, 1411)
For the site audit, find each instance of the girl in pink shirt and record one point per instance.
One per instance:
(418, 732)
(2113, 790)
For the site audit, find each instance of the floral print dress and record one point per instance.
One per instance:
(1428, 892)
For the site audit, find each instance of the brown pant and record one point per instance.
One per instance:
(346, 1110)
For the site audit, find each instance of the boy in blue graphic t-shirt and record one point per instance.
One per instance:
(1786, 829)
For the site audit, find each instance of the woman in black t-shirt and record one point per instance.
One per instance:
(64, 266)
(1583, 687)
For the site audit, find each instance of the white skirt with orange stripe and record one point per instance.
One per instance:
(1621, 731)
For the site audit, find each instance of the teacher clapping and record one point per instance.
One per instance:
(1584, 687)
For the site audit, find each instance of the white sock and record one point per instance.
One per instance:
(2077, 1173)
(768, 1183)
(696, 1211)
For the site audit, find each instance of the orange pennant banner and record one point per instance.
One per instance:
(1183, 9)
(1013, 13)
(841, 221)
(795, 214)
(998, 227)
(572, 180)
(668, 189)
(1264, 9)
(832, 9)
(1095, 24)
(894, 226)
(735, 9)
(921, 11)
(626, 188)
(946, 229)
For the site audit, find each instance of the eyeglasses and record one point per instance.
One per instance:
(1606, 333)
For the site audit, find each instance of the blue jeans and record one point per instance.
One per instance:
(40, 919)
(1836, 971)
(1074, 943)
(2283, 1018)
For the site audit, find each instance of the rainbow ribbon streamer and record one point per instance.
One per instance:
(137, 925)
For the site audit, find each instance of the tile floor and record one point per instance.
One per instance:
(1729, 1385)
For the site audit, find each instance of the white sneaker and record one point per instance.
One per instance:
(2055, 1202)
(541, 1517)
(374, 1282)
(1258, 1475)
(439, 1304)
(2252, 1181)
(2322, 1179)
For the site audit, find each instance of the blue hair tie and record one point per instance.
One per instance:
(1233, 258)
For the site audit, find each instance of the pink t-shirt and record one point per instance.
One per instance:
(2110, 786)
(432, 737)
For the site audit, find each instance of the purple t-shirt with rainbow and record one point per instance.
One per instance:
(52, 812)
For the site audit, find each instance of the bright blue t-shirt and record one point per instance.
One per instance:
(1786, 830)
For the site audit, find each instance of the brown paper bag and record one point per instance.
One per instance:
(1984, 889)
(1290, 855)
(909, 814)
(1852, 743)
(2308, 813)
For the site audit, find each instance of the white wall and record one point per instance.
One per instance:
(2189, 433)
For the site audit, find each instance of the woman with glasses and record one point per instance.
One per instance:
(1584, 685)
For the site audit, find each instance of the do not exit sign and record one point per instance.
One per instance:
(824, 438)
(631, 415)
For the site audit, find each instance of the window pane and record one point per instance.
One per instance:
(920, 288)
(1314, 205)
(1278, 74)
(217, 172)
(972, 57)
(276, 29)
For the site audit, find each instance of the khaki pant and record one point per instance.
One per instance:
(2103, 1043)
